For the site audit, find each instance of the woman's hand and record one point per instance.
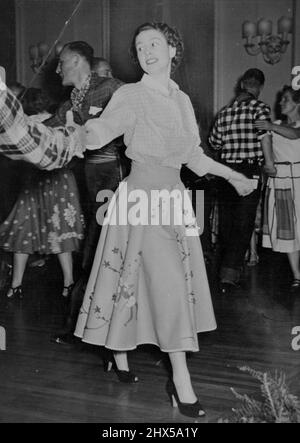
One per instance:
(88, 138)
(70, 124)
(243, 185)
(263, 125)
(91, 137)
(77, 131)
(270, 169)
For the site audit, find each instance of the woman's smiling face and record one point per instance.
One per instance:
(288, 106)
(154, 53)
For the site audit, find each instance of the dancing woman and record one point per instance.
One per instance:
(148, 283)
(46, 218)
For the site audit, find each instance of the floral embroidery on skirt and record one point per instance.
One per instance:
(148, 283)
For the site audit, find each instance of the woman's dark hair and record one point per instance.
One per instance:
(172, 37)
(35, 101)
(295, 94)
(81, 48)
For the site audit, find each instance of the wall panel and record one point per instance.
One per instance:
(42, 20)
(7, 39)
(230, 55)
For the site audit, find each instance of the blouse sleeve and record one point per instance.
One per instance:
(198, 162)
(116, 120)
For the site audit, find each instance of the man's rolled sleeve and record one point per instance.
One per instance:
(34, 142)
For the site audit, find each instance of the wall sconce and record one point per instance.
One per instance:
(39, 53)
(271, 46)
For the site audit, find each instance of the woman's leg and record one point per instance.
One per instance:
(66, 263)
(19, 265)
(121, 361)
(121, 368)
(181, 377)
(253, 255)
(294, 258)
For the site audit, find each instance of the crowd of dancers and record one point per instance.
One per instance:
(145, 284)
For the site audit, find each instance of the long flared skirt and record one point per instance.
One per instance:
(47, 216)
(148, 283)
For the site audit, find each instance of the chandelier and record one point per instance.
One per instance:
(40, 53)
(259, 38)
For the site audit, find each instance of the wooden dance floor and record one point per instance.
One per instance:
(41, 381)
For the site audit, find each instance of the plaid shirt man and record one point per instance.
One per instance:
(34, 142)
(233, 132)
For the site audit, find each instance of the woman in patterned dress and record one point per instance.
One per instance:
(148, 283)
(47, 217)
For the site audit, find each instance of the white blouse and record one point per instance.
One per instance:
(158, 124)
(285, 149)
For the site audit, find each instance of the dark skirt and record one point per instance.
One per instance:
(47, 217)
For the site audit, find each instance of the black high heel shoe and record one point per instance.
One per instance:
(15, 292)
(295, 285)
(188, 409)
(67, 291)
(123, 376)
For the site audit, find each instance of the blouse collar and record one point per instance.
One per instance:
(153, 84)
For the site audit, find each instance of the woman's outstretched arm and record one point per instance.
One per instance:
(200, 164)
(284, 130)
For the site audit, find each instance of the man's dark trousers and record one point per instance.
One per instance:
(237, 222)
